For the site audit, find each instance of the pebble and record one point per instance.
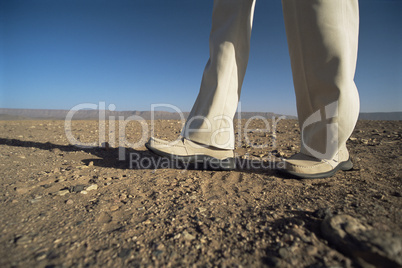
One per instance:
(77, 188)
(21, 190)
(22, 240)
(114, 208)
(63, 192)
(364, 141)
(280, 154)
(188, 236)
(56, 151)
(311, 250)
(35, 200)
(41, 256)
(124, 253)
(92, 187)
(104, 218)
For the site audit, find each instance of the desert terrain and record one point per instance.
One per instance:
(65, 206)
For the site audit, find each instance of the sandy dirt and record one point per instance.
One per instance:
(64, 206)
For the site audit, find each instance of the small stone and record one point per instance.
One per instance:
(288, 238)
(63, 192)
(104, 218)
(280, 154)
(22, 240)
(77, 188)
(84, 192)
(114, 208)
(35, 200)
(41, 256)
(284, 253)
(364, 141)
(91, 163)
(56, 151)
(92, 187)
(124, 253)
(21, 190)
(188, 236)
(311, 250)
(177, 236)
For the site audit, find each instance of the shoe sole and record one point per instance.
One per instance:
(346, 165)
(199, 161)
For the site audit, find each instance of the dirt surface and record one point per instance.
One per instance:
(64, 206)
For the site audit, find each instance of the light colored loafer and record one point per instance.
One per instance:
(186, 151)
(305, 166)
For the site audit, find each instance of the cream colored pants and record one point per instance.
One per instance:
(322, 39)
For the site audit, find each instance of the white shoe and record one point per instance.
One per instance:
(305, 166)
(190, 152)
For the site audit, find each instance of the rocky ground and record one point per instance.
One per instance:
(64, 206)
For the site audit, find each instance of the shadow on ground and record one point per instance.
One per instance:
(129, 158)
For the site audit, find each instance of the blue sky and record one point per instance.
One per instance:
(55, 54)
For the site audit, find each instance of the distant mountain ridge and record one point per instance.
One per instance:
(381, 116)
(40, 114)
(19, 114)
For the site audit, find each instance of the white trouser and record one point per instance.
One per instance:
(322, 39)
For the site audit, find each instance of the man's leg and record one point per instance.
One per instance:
(208, 132)
(322, 39)
(211, 119)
